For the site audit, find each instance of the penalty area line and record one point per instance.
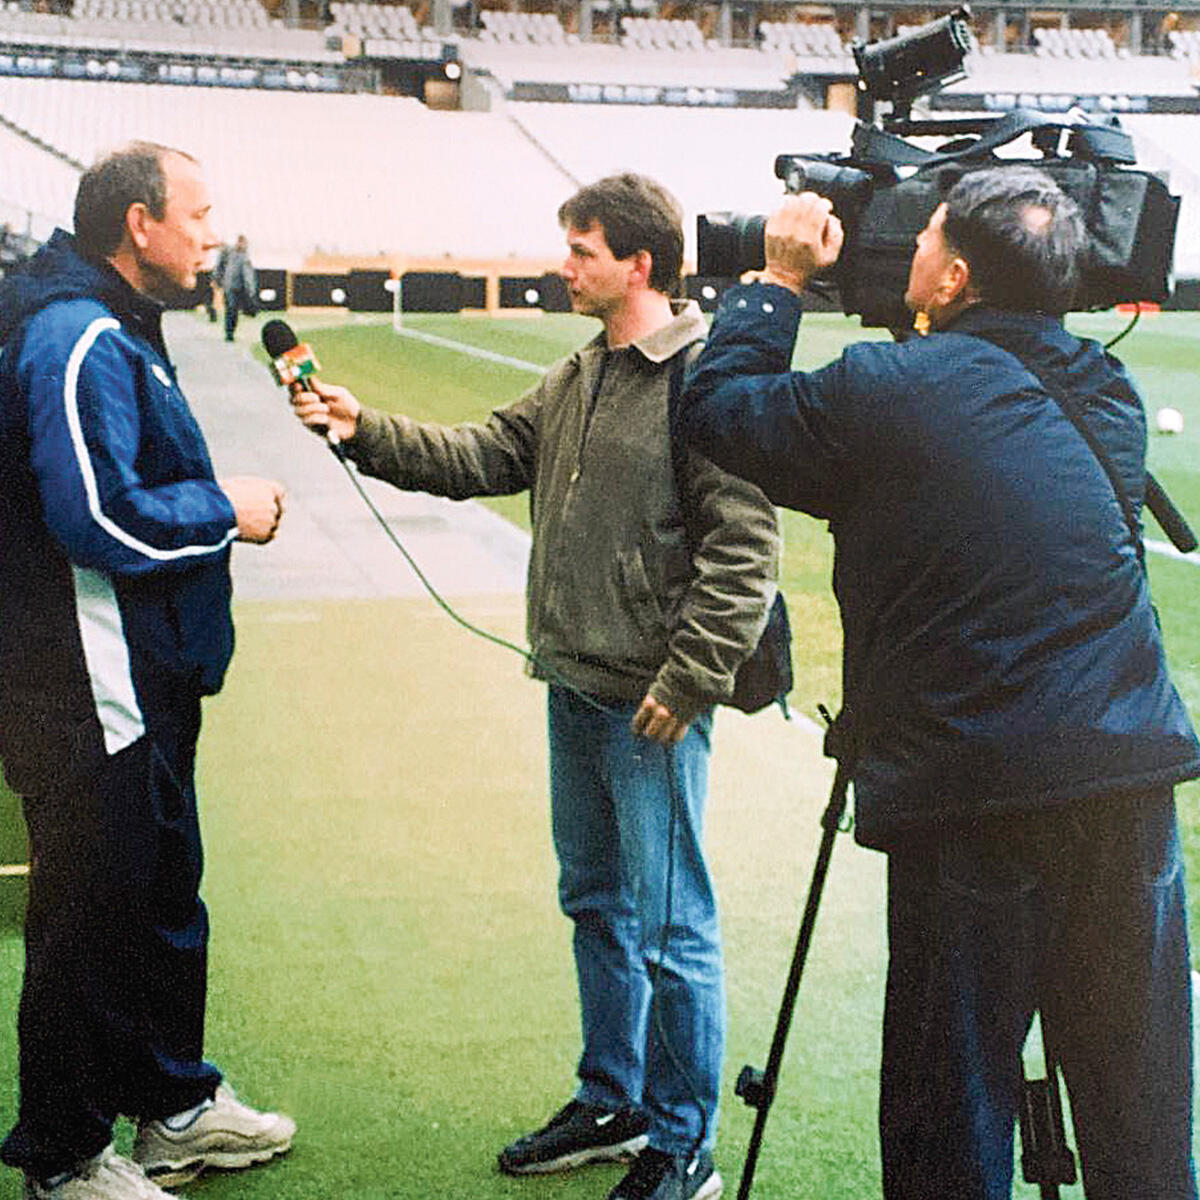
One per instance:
(1169, 551)
(433, 339)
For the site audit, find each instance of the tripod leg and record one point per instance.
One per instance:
(758, 1089)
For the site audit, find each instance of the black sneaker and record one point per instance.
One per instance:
(578, 1133)
(660, 1176)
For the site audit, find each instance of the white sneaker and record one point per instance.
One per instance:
(108, 1176)
(226, 1134)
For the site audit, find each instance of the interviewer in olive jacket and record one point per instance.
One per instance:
(638, 637)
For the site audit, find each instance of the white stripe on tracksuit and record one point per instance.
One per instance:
(97, 610)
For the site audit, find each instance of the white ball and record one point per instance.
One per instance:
(1169, 420)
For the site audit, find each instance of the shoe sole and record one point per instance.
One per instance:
(620, 1152)
(711, 1188)
(175, 1174)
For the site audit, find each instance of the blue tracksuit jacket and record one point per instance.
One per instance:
(1000, 646)
(114, 535)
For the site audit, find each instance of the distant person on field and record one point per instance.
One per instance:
(214, 282)
(638, 639)
(114, 622)
(239, 284)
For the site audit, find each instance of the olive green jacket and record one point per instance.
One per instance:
(617, 603)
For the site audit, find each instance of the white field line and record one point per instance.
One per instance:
(474, 351)
(1164, 548)
(1169, 551)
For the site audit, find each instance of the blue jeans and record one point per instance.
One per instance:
(628, 831)
(1078, 913)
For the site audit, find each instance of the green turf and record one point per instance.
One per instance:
(1163, 351)
(388, 962)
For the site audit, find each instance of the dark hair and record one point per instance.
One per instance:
(131, 175)
(1021, 236)
(636, 214)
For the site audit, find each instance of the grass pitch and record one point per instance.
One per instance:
(388, 963)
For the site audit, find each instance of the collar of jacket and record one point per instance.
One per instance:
(686, 326)
(1036, 339)
(59, 272)
(134, 308)
(1004, 327)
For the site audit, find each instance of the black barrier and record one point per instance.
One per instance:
(431, 291)
(200, 294)
(707, 291)
(441, 291)
(1185, 297)
(547, 292)
(474, 291)
(272, 289)
(367, 291)
(310, 290)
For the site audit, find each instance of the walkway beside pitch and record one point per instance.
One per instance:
(329, 545)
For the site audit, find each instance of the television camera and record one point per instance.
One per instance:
(887, 187)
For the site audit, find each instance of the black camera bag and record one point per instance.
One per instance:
(1130, 214)
(766, 676)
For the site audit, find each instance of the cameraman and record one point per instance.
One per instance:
(1012, 729)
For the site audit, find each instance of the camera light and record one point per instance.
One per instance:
(902, 68)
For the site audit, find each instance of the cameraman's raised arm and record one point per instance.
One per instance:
(743, 407)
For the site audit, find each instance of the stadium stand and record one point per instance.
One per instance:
(601, 63)
(712, 159)
(521, 29)
(204, 29)
(374, 20)
(1075, 43)
(1184, 43)
(651, 33)
(816, 39)
(384, 174)
(341, 174)
(37, 190)
(1042, 74)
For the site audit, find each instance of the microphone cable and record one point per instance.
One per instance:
(530, 658)
(656, 966)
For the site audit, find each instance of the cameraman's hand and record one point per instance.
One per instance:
(802, 238)
(324, 406)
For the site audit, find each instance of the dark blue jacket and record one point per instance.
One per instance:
(1000, 646)
(114, 535)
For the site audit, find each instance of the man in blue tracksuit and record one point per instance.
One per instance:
(1014, 733)
(114, 622)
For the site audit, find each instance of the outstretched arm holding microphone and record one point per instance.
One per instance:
(639, 633)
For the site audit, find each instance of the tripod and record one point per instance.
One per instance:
(757, 1088)
(1045, 1158)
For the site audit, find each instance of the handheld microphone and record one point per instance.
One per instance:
(292, 362)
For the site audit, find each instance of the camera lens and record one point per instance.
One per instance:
(847, 188)
(729, 243)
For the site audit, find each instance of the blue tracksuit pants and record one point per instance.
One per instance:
(112, 1008)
